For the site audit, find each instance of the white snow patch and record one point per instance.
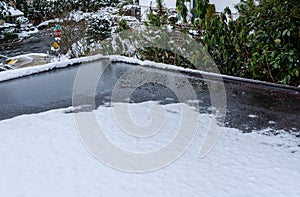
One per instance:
(14, 12)
(252, 116)
(42, 154)
(46, 23)
(26, 34)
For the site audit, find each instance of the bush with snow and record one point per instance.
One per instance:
(22, 20)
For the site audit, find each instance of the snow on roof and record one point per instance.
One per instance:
(44, 153)
(15, 12)
(47, 144)
(166, 3)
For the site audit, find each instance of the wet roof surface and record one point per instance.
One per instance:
(250, 106)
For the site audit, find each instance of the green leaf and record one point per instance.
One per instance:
(284, 32)
(297, 73)
(276, 65)
(273, 54)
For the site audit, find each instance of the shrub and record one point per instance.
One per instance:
(263, 43)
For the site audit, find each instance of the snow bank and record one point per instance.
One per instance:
(46, 23)
(42, 154)
(26, 34)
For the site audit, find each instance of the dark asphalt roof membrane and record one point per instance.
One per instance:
(251, 105)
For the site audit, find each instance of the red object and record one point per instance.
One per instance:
(57, 33)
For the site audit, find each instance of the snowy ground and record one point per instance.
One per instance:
(42, 155)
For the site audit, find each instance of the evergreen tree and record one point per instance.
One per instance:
(37, 11)
(98, 30)
(23, 6)
(122, 26)
(182, 9)
(158, 17)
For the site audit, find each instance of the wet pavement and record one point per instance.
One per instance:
(37, 43)
(250, 105)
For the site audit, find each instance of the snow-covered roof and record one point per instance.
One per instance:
(47, 144)
(166, 3)
(14, 11)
